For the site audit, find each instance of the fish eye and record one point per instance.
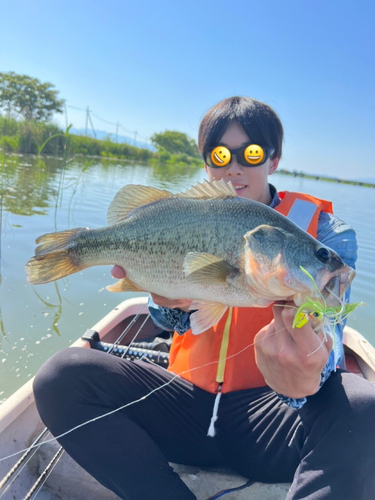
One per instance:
(323, 254)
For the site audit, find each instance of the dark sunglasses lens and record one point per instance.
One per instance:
(252, 155)
(255, 155)
(218, 157)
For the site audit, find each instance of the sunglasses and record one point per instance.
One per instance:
(251, 155)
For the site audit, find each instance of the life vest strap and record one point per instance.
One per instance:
(224, 348)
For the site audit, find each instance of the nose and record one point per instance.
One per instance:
(234, 167)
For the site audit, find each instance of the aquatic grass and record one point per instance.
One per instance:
(87, 165)
(65, 135)
(59, 196)
(35, 135)
(1, 212)
(1, 233)
(56, 307)
(10, 144)
(2, 328)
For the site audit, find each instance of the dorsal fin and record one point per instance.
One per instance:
(130, 197)
(134, 196)
(214, 189)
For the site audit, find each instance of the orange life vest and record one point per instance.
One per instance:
(224, 356)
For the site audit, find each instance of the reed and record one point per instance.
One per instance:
(27, 137)
(32, 137)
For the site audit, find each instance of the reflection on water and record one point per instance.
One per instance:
(43, 196)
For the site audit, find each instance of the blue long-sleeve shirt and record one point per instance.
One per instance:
(333, 233)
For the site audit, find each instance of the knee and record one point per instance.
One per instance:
(358, 410)
(58, 371)
(60, 378)
(360, 394)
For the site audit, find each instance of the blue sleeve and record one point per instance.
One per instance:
(169, 319)
(341, 237)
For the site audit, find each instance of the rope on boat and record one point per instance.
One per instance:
(52, 464)
(14, 469)
(125, 331)
(44, 475)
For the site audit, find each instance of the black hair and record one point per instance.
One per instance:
(259, 121)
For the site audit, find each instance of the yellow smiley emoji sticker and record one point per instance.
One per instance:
(220, 156)
(254, 154)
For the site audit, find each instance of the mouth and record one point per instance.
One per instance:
(239, 188)
(252, 158)
(334, 290)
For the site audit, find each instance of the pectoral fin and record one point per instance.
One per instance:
(207, 315)
(207, 269)
(124, 285)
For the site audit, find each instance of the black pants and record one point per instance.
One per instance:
(327, 449)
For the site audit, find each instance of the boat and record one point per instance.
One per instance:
(36, 466)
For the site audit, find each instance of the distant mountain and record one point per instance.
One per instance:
(102, 134)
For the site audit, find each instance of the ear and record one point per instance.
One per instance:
(273, 165)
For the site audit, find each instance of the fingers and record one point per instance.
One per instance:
(118, 272)
(304, 338)
(326, 339)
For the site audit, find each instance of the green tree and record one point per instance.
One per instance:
(175, 143)
(29, 97)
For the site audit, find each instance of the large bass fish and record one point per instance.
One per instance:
(206, 244)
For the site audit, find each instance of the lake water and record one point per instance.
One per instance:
(37, 198)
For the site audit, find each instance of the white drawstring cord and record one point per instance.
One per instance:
(211, 430)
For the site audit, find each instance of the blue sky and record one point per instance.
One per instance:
(159, 65)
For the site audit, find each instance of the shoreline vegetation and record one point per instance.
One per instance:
(46, 139)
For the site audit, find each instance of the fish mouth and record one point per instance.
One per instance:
(331, 286)
(337, 286)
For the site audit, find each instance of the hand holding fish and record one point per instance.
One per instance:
(118, 272)
(291, 359)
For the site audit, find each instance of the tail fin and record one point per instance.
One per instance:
(54, 257)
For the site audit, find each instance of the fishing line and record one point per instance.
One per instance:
(125, 331)
(129, 346)
(36, 488)
(132, 402)
(36, 445)
(17, 469)
(151, 392)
